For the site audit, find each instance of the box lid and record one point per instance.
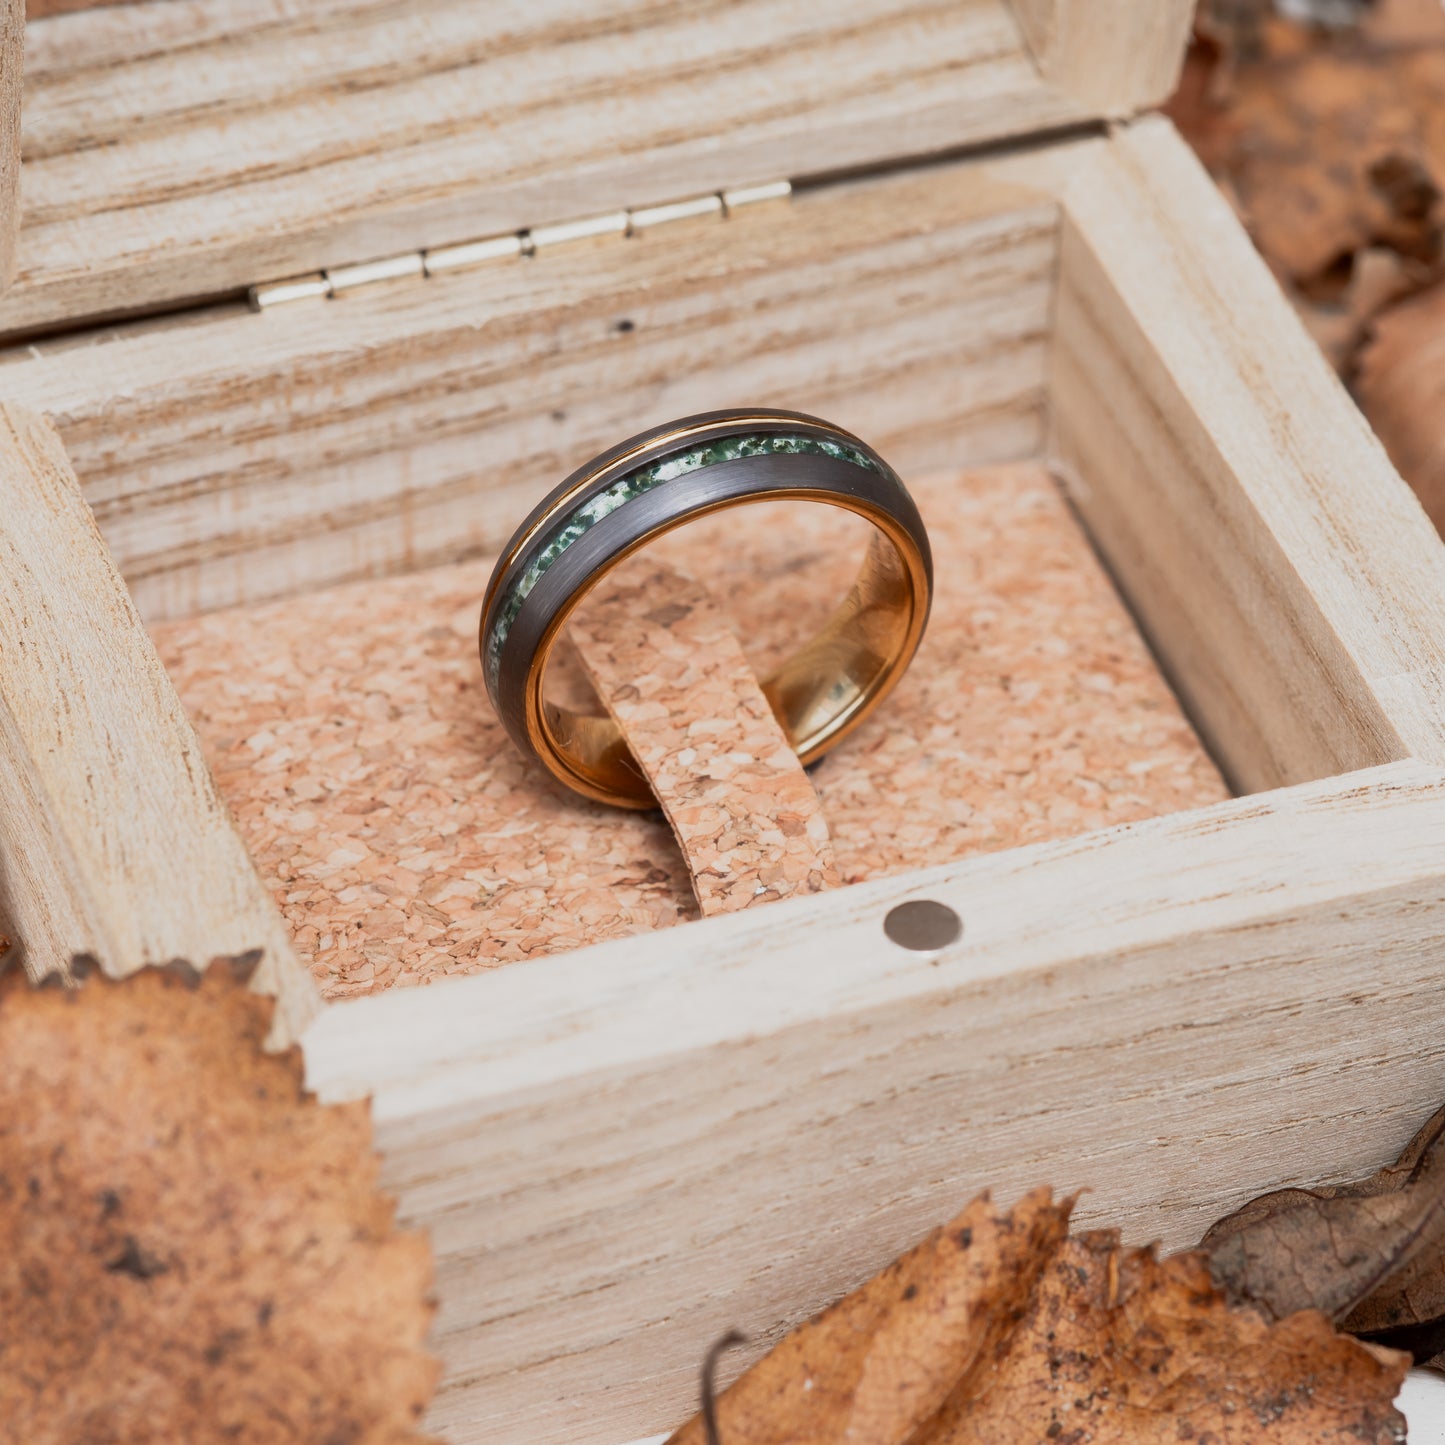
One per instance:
(178, 151)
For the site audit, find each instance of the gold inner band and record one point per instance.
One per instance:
(819, 694)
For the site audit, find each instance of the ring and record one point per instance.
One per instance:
(658, 481)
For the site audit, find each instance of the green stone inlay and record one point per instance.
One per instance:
(634, 484)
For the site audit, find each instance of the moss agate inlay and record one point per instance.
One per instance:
(602, 504)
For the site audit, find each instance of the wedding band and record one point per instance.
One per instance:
(661, 480)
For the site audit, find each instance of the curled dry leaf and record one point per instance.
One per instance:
(1407, 1309)
(1330, 144)
(1371, 1254)
(194, 1250)
(1001, 1328)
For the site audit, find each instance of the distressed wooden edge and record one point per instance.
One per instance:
(1191, 411)
(564, 1115)
(12, 86)
(115, 845)
(39, 9)
(1114, 66)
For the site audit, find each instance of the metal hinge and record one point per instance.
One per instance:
(418, 265)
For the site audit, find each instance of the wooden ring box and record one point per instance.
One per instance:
(990, 254)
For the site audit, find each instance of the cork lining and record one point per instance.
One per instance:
(405, 839)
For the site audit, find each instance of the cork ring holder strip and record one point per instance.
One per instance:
(670, 671)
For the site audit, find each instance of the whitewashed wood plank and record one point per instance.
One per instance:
(12, 63)
(103, 39)
(203, 156)
(114, 843)
(1116, 66)
(1288, 579)
(244, 456)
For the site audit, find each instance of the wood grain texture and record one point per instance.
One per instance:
(39, 9)
(670, 671)
(729, 1130)
(114, 843)
(12, 67)
(1287, 578)
(239, 456)
(184, 150)
(1113, 65)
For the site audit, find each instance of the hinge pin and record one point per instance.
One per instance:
(394, 268)
(649, 216)
(613, 223)
(299, 288)
(474, 253)
(752, 195)
(518, 243)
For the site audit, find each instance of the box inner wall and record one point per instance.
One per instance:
(231, 458)
(404, 839)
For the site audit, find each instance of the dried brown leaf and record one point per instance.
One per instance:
(881, 1362)
(1407, 1310)
(193, 1249)
(1301, 1250)
(1370, 1253)
(1002, 1329)
(1330, 141)
(1120, 1346)
(1334, 151)
(1403, 22)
